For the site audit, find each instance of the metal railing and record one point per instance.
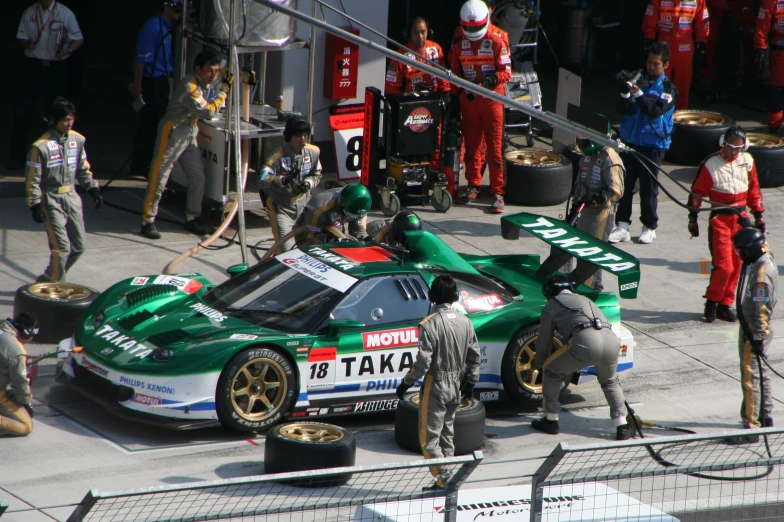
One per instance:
(716, 477)
(303, 496)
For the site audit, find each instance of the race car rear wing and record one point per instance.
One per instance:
(591, 253)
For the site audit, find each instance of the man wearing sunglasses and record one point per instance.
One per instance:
(727, 178)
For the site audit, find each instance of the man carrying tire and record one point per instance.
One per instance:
(336, 214)
(392, 231)
(729, 179)
(648, 106)
(55, 160)
(590, 342)
(770, 34)
(16, 409)
(448, 356)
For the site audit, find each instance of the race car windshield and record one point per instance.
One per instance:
(274, 296)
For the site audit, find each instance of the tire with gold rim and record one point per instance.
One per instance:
(768, 153)
(56, 306)
(522, 381)
(255, 390)
(695, 135)
(469, 425)
(537, 178)
(308, 446)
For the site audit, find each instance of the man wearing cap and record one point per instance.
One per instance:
(16, 409)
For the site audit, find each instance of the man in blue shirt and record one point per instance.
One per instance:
(152, 72)
(648, 106)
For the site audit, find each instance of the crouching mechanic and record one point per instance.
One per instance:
(16, 409)
(336, 214)
(448, 356)
(757, 298)
(54, 161)
(176, 141)
(392, 231)
(729, 178)
(590, 342)
(287, 178)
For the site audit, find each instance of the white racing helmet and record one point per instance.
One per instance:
(474, 19)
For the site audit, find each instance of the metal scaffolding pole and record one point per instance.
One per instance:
(547, 117)
(233, 123)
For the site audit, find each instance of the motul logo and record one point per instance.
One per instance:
(146, 399)
(483, 302)
(390, 338)
(419, 120)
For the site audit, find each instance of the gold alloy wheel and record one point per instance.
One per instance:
(758, 139)
(464, 403)
(525, 370)
(311, 432)
(259, 389)
(59, 291)
(698, 118)
(533, 157)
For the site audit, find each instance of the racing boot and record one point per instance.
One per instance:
(624, 432)
(195, 226)
(149, 231)
(498, 204)
(726, 313)
(767, 422)
(546, 426)
(710, 310)
(470, 195)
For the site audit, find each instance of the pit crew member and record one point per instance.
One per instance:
(342, 210)
(770, 34)
(177, 141)
(55, 160)
(590, 341)
(648, 107)
(684, 26)
(391, 231)
(483, 58)
(16, 409)
(288, 177)
(728, 177)
(448, 359)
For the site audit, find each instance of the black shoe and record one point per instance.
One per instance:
(741, 439)
(195, 226)
(767, 422)
(726, 313)
(710, 310)
(624, 432)
(546, 426)
(470, 195)
(435, 486)
(149, 231)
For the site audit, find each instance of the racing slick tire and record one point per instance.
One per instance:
(307, 446)
(537, 178)
(768, 153)
(56, 306)
(522, 381)
(469, 425)
(696, 135)
(256, 389)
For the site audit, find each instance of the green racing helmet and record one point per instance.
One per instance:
(355, 201)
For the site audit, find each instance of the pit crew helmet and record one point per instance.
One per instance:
(25, 324)
(588, 147)
(474, 19)
(405, 220)
(555, 284)
(750, 244)
(355, 201)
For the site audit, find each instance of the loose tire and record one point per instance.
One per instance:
(768, 153)
(695, 135)
(255, 390)
(537, 178)
(56, 306)
(469, 425)
(306, 446)
(522, 381)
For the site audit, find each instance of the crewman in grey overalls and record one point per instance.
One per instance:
(288, 177)
(54, 161)
(392, 231)
(589, 342)
(448, 359)
(334, 214)
(16, 409)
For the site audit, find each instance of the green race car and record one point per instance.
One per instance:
(320, 330)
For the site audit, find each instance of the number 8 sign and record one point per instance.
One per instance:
(347, 123)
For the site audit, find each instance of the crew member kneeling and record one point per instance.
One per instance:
(590, 342)
(336, 214)
(16, 409)
(392, 231)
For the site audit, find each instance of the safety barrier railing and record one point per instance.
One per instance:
(359, 492)
(716, 477)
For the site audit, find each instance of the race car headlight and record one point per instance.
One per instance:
(162, 354)
(98, 319)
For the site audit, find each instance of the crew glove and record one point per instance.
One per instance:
(467, 390)
(303, 187)
(402, 389)
(490, 81)
(599, 200)
(95, 193)
(759, 60)
(699, 54)
(744, 222)
(228, 79)
(38, 213)
(759, 222)
(694, 226)
(756, 348)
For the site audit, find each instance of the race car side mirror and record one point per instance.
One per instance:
(338, 326)
(235, 270)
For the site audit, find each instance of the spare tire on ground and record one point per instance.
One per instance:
(307, 446)
(56, 306)
(768, 153)
(537, 178)
(469, 425)
(696, 135)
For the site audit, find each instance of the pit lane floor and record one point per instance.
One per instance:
(686, 371)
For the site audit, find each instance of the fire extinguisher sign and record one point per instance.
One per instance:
(347, 122)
